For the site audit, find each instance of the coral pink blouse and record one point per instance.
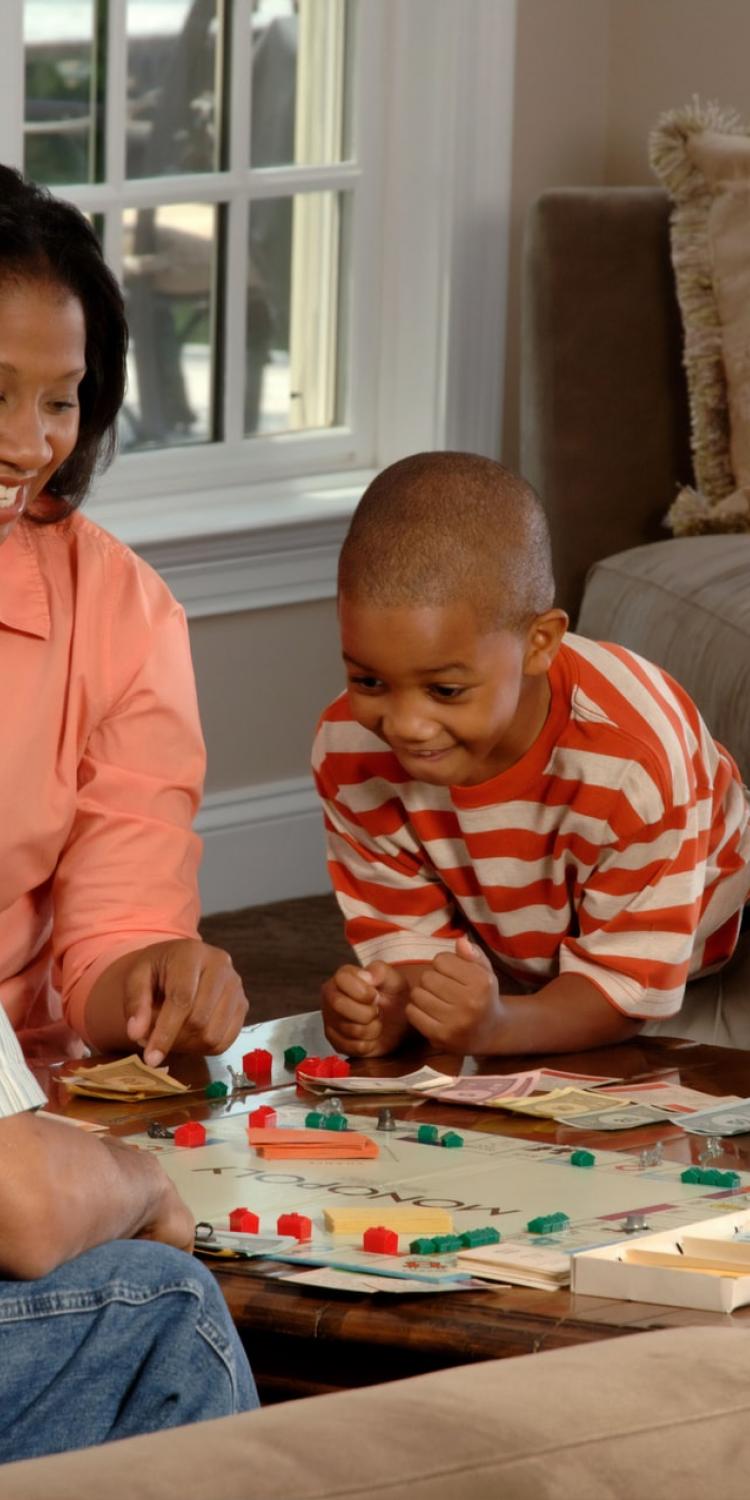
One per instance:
(101, 769)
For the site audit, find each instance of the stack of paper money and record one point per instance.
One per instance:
(126, 1078)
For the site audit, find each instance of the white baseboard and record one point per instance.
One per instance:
(261, 843)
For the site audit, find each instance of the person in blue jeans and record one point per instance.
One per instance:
(108, 1328)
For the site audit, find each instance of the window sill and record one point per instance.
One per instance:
(277, 544)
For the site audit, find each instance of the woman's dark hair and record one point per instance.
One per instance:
(44, 239)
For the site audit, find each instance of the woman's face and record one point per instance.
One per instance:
(42, 362)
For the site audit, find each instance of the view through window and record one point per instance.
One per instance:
(210, 142)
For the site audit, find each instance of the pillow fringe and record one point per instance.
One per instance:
(703, 349)
(667, 143)
(692, 514)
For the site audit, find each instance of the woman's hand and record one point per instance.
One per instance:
(175, 996)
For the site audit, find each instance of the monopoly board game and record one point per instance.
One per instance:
(490, 1180)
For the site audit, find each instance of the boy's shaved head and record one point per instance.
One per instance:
(441, 528)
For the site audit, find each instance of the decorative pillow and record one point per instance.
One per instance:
(701, 154)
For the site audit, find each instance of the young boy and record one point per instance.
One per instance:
(532, 836)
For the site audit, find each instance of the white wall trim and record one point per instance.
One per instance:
(261, 843)
(478, 231)
(251, 547)
(444, 255)
(250, 569)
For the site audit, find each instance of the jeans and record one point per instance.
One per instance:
(128, 1338)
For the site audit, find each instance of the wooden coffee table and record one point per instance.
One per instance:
(306, 1341)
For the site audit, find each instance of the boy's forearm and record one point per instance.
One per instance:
(567, 1015)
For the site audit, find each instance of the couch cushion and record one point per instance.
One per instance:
(650, 1414)
(684, 604)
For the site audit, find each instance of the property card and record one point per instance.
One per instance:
(435, 1270)
(727, 1119)
(624, 1116)
(673, 1097)
(247, 1246)
(334, 1280)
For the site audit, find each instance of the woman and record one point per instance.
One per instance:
(101, 753)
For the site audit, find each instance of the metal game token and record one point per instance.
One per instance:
(635, 1224)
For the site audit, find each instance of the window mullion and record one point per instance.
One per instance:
(199, 187)
(115, 124)
(365, 228)
(237, 78)
(116, 93)
(232, 350)
(280, 182)
(235, 315)
(12, 88)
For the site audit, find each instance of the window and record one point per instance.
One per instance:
(288, 191)
(211, 142)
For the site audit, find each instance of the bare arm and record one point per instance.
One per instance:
(63, 1191)
(456, 1004)
(568, 1015)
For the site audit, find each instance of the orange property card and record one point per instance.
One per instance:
(276, 1144)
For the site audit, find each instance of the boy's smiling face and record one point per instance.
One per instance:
(457, 703)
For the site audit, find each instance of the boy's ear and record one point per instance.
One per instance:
(543, 640)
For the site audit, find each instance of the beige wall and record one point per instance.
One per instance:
(559, 136)
(661, 53)
(592, 77)
(263, 678)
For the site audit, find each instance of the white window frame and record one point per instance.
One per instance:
(248, 524)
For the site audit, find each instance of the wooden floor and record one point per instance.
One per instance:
(283, 952)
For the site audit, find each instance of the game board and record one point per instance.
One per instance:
(491, 1180)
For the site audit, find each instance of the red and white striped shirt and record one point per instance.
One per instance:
(617, 848)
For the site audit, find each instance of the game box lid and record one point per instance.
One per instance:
(704, 1265)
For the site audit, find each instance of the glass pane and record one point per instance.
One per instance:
(169, 277)
(293, 314)
(174, 109)
(298, 82)
(62, 120)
